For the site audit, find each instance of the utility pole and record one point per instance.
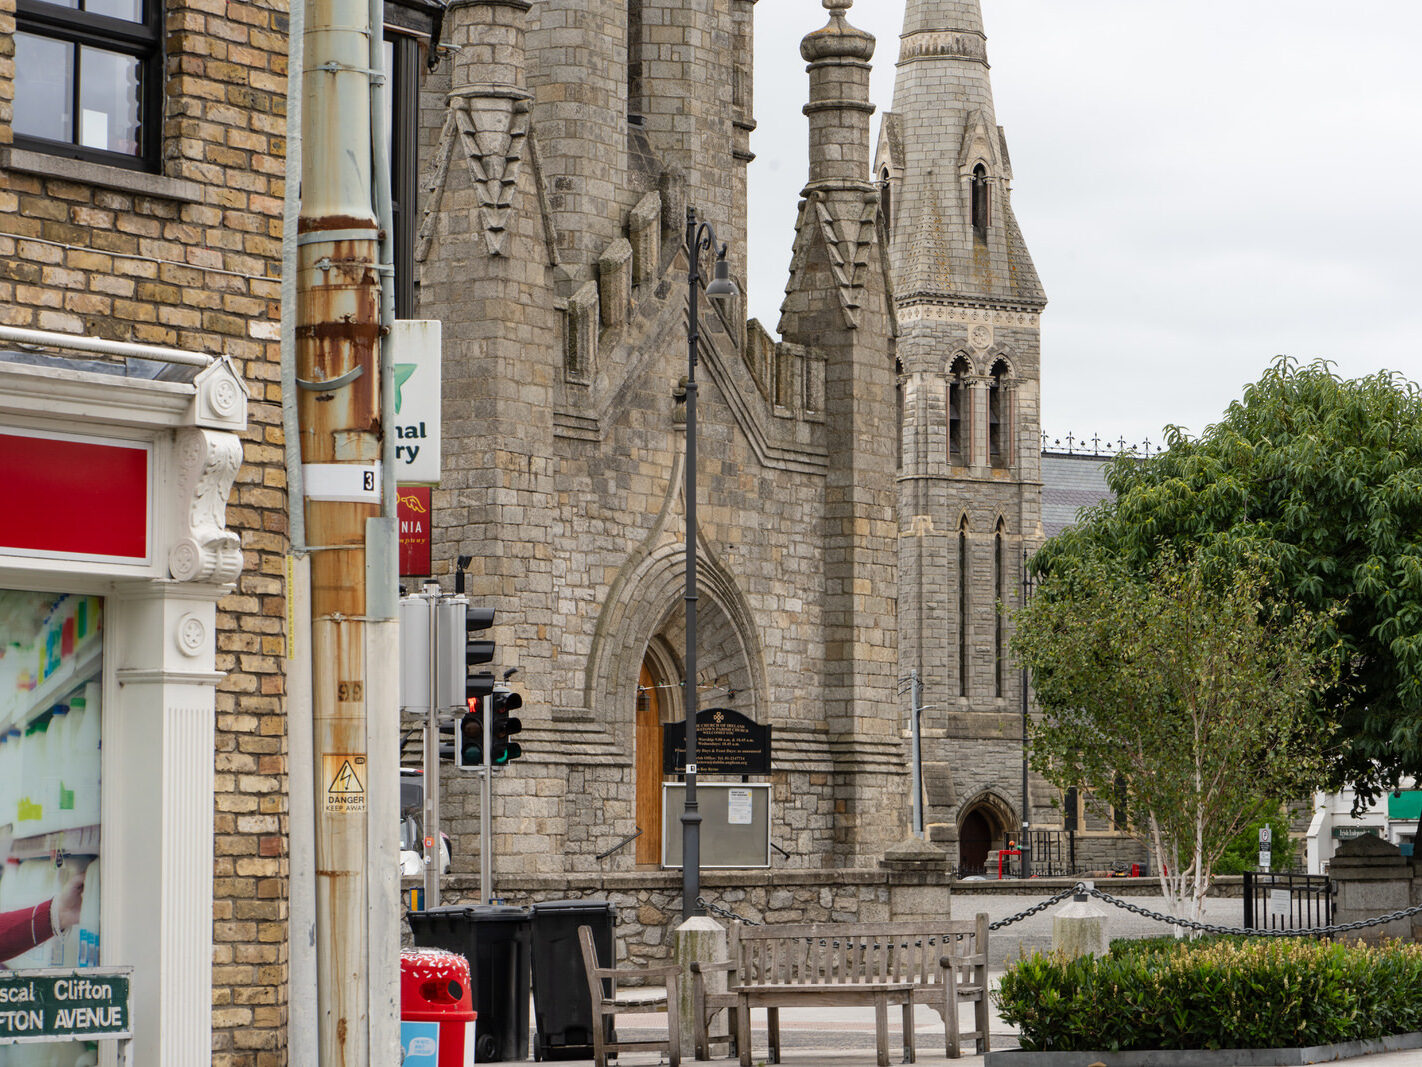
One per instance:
(338, 412)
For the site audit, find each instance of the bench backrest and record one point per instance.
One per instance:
(830, 953)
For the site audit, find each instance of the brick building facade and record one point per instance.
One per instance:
(163, 226)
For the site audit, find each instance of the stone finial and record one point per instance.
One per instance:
(839, 38)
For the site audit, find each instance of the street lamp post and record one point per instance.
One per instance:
(700, 236)
(1026, 817)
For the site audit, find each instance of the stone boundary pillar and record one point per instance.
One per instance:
(1372, 878)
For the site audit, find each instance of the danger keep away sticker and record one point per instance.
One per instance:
(344, 777)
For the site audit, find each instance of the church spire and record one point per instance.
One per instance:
(943, 15)
(948, 166)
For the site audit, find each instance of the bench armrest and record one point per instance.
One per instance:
(976, 959)
(668, 971)
(697, 967)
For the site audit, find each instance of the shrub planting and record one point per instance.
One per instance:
(1228, 993)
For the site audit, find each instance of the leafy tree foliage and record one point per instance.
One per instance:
(1321, 479)
(1242, 852)
(1184, 683)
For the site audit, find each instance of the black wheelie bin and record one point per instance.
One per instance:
(494, 939)
(562, 1009)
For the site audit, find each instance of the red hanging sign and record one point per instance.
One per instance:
(413, 511)
(74, 497)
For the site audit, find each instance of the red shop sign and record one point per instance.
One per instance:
(66, 496)
(412, 508)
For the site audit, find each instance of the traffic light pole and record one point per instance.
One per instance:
(486, 808)
(434, 862)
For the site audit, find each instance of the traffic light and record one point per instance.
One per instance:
(504, 725)
(477, 650)
(469, 739)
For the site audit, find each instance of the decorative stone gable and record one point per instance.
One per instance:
(493, 129)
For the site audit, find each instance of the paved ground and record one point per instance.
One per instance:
(844, 1037)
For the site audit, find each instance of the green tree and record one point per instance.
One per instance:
(1321, 479)
(1187, 684)
(1241, 853)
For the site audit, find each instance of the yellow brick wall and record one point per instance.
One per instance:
(93, 257)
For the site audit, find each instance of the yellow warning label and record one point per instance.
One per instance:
(345, 783)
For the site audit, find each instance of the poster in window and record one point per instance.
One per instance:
(50, 712)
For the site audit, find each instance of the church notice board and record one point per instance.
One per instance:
(735, 823)
(727, 742)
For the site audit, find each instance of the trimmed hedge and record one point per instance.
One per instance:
(1274, 993)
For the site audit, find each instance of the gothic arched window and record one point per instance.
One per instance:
(999, 428)
(964, 609)
(958, 413)
(999, 636)
(886, 199)
(981, 202)
(899, 410)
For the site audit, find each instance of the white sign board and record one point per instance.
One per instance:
(1264, 858)
(1280, 901)
(415, 345)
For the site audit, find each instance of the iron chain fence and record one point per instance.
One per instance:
(1081, 889)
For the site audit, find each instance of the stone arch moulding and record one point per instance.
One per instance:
(637, 605)
(1000, 808)
(946, 369)
(1001, 355)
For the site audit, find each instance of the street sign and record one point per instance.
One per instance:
(1266, 836)
(56, 1004)
(1264, 857)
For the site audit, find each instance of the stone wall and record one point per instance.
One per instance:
(649, 904)
(190, 258)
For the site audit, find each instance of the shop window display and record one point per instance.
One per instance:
(51, 655)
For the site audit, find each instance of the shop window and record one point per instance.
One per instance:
(50, 691)
(89, 80)
(402, 63)
(999, 430)
(958, 412)
(981, 202)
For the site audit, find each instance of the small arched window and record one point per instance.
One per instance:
(886, 202)
(982, 202)
(999, 430)
(958, 410)
(964, 607)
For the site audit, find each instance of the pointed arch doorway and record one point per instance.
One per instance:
(650, 687)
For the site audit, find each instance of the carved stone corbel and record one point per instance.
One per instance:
(203, 549)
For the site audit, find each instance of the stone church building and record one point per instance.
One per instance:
(868, 480)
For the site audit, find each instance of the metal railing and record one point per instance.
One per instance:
(1287, 901)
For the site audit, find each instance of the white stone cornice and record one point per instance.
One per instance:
(968, 316)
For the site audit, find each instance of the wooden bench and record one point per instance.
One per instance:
(602, 989)
(941, 963)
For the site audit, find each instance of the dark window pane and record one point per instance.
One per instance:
(108, 101)
(128, 10)
(44, 87)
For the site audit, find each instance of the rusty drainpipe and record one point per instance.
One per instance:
(338, 412)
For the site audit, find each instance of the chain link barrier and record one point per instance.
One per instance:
(1238, 931)
(1081, 889)
(1034, 909)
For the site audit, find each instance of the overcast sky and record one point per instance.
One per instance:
(1202, 185)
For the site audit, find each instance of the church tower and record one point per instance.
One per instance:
(968, 304)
